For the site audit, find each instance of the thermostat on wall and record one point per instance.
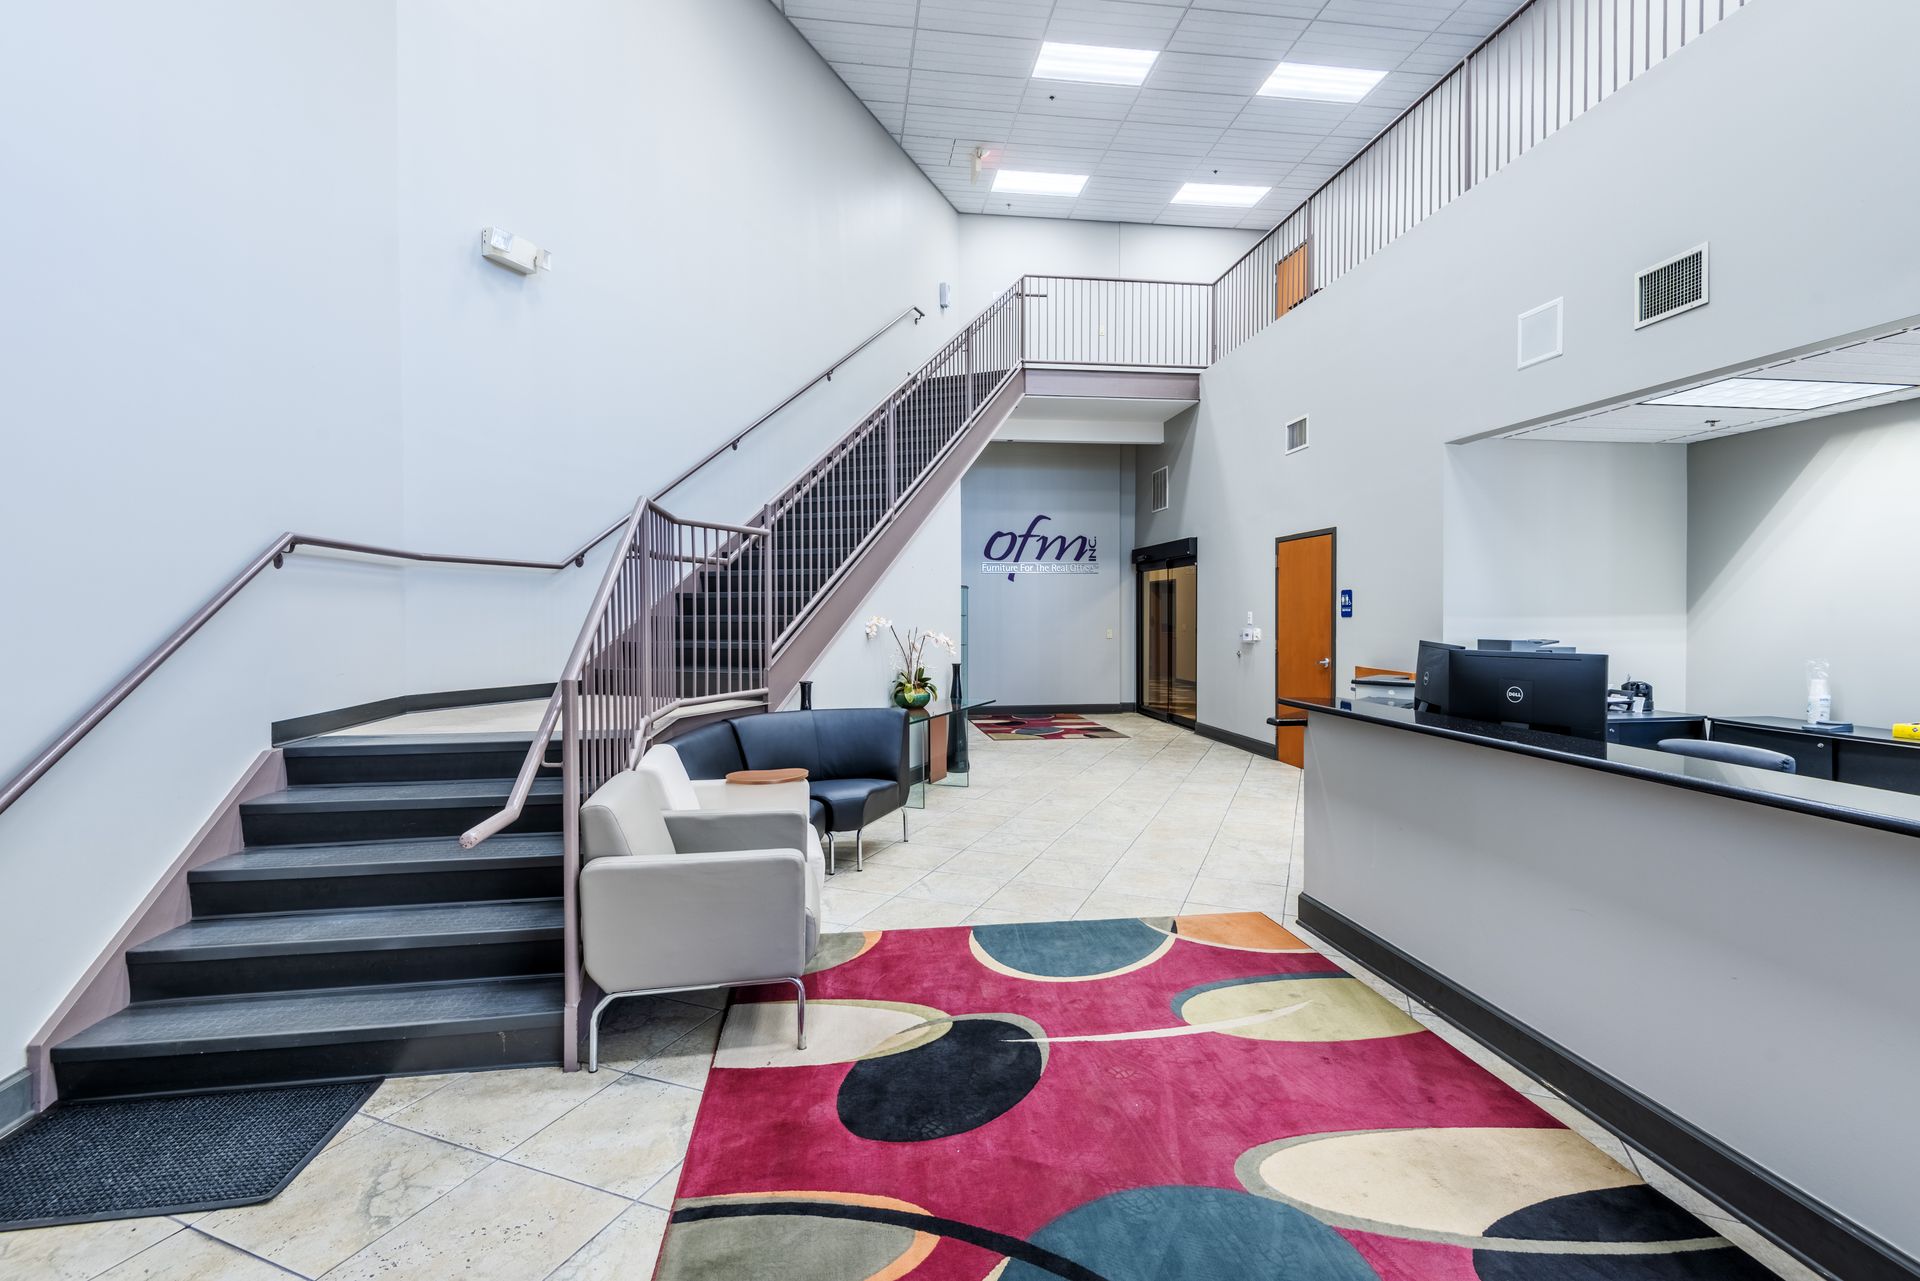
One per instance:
(515, 253)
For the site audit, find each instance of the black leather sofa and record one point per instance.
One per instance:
(855, 758)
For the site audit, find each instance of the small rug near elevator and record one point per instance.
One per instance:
(1007, 726)
(130, 1158)
(1198, 1098)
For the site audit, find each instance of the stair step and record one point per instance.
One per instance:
(293, 878)
(349, 758)
(324, 812)
(161, 1047)
(288, 951)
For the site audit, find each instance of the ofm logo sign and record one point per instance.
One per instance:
(1008, 552)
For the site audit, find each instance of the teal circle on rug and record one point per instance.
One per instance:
(1194, 1234)
(1069, 949)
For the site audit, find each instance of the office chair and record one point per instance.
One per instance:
(1730, 753)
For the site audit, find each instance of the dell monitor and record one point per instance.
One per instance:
(1563, 693)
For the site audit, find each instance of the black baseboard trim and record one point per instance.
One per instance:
(16, 1100)
(1245, 742)
(1050, 709)
(360, 714)
(1812, 1231)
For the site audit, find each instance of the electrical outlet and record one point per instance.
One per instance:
(1109, 633)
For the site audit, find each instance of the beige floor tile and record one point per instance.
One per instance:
(507, 1223)
(685, 1062)
(354, 1124)
(1100, 907)
(80, 1251)
(844, 906)
(955, 887)
(1063, 872)
(494, 1111)
(916, 914)
(1230, 895)
(623, 1139)
(638, 1027)
(188, 1256)
(625, 1250)
(1034, 901)
(924, 855)
(660, 1195)
(988, 916)
(1146, 882)
(347, 1199)
(397, 1092)
(878, 877)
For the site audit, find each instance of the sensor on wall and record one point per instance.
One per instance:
(515, 253)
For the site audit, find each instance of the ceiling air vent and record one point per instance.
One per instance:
(1296, 435)
(1159, 487)
(1671, 287)
(1540, 333)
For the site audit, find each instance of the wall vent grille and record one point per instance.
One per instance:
(1158, 486)
(1296, 435)
(1540, 333)
(1671, 287)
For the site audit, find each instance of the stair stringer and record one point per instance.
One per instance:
(835, 608)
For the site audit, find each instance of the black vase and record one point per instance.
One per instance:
(956, 725)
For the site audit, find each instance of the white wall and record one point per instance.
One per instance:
(920, 589)
(1414, 348)
(1600, 564)
(1803, 546)
(1051, 639)
(996, 251)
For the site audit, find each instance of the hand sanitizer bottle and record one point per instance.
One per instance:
(1819, 694)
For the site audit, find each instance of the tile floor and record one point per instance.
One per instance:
(520, 1176)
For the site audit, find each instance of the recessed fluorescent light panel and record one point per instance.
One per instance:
(1018, 182)
(1093, 64)
(1320, 84)
(1776, 393)
(1217, 193)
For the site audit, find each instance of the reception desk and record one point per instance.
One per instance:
(1720, 963)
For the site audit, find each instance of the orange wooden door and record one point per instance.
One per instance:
(1302, 629)
(1289, 282)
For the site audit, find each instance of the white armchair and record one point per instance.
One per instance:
(692, 885)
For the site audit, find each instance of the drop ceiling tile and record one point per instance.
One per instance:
(1171, 107)
(1042, 157)
(928, 153)
(1122, 24)
(1266, 8)
(1406, 15)
(891, 115)
(1347, 44)
(1240, 35)
(1063, 131)
(1183, 140)
(892, 13)
(1122, 163)
(1021, 18)
(1292, 115)
(860, 42)
(985, 55)
(1277, 152)
(972, 92)
(1067, 98)
(1208, 73)
(874, 83)
(957, 121)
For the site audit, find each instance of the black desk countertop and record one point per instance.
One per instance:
(1792, 725)
(1843, 802)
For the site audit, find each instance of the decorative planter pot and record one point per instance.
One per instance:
(912, 698)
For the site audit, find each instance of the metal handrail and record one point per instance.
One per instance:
(272, 557)
(825, 375)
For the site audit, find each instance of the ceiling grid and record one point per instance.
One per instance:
(947, 76)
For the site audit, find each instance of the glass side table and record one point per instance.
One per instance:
(937, 750)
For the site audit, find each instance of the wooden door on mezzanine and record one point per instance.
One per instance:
(1303, 611)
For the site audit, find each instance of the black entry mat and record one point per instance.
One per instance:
(127, 1158)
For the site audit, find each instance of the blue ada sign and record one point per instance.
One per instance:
(1346, 602)
(1007, 552)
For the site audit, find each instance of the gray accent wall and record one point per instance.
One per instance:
(1804, 544)
(1043, 639)
(1415, 347)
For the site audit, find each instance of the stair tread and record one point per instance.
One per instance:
(293, 1018)
(405, 744)
(431, 794)
(347, 858)
(360, 927)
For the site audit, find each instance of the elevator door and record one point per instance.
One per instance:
(1169, 635)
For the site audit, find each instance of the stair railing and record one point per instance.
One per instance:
(692, 614)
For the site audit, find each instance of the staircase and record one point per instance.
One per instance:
(353, 936)
(402, 904)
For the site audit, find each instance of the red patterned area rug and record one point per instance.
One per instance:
(1007, 726)
(1198, 1098)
